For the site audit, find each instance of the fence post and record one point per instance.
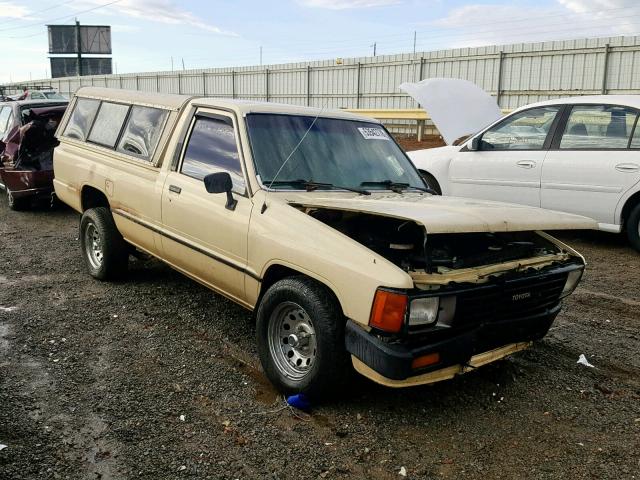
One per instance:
(120, 80)
(266, 79)
(179, 84)
(308, 85)
(204, 84)
(233, 84)
(499, 90)
(605, 69)
(137, 83)
(157, 83)
(358, 86)
(421, 72)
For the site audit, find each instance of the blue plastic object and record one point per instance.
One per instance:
(299, 401)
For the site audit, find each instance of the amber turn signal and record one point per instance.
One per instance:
(388, 312)
(425, 360)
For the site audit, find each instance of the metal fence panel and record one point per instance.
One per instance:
(517, 74)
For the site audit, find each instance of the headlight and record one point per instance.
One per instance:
(424, 311)
(572, 282)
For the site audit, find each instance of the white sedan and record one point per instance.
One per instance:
(579, 155)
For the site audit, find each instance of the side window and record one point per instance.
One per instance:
(598, 127)
(635, 141)
(212, 148)
(106, 129)
(81, 119)
(5, 113)
(526, 130)
(37, 96)
(142, 132)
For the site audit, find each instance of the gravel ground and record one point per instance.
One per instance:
(156, 377)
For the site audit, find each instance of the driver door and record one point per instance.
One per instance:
(206, 240)
(507, 166)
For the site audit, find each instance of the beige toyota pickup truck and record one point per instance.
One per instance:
(318, 222)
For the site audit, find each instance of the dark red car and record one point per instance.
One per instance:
(27, 140)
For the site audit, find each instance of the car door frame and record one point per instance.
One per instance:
(555, 147)
(174, 169)
(465, 150)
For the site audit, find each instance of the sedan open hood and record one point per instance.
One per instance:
(448, 214)
(456, 107)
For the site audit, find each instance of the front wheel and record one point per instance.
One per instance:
(431, 181)
(104, 250)
(300, 335)
(633, 227)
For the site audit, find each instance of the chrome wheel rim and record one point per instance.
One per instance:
(93, 246)
(292, 340)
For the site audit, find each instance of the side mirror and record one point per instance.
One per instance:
(474, 146)
(220, 182)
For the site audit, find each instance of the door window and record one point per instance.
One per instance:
(598, 127)
(82, 118)
(635, 141)
(212, 148)
(106, 129)
(5, 114)
(142, 132)
(525, 130)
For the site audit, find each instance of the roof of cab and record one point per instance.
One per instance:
(241, 107)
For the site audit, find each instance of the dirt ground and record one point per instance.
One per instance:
(410, 142)
(156, 377)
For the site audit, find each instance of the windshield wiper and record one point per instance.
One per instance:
(397, 187)
(310, 185)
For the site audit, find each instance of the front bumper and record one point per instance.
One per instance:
(393, 360)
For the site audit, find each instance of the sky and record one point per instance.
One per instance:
(153, 35)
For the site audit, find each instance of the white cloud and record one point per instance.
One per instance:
(12, 10)
(162, 11)
(345, 4)
(490, 24)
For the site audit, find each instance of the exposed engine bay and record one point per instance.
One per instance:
(407, 244)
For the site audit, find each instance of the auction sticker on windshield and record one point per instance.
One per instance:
(373, 133)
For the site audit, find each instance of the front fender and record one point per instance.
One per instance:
(436, 161)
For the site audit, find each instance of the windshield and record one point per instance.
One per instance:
(54, 96)
(338, 152)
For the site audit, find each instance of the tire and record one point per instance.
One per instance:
(633, 227)
(320, 363)
(16, 204)
(431, 181)
(104, 250)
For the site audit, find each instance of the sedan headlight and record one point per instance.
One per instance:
(572, 282)
(424, 311)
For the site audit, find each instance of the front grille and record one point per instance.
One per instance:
(509, 299)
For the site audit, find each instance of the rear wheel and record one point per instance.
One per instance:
(300, 335)
(431, 181)
(633, 227)
(105, 252)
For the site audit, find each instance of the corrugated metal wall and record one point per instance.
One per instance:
(517, 74)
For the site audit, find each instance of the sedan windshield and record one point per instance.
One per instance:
(327, 153)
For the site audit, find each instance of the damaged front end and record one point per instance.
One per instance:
(27, 157)
(477, 296)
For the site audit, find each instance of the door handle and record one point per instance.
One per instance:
(175, 189)
(526, 164)
(627, 167)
